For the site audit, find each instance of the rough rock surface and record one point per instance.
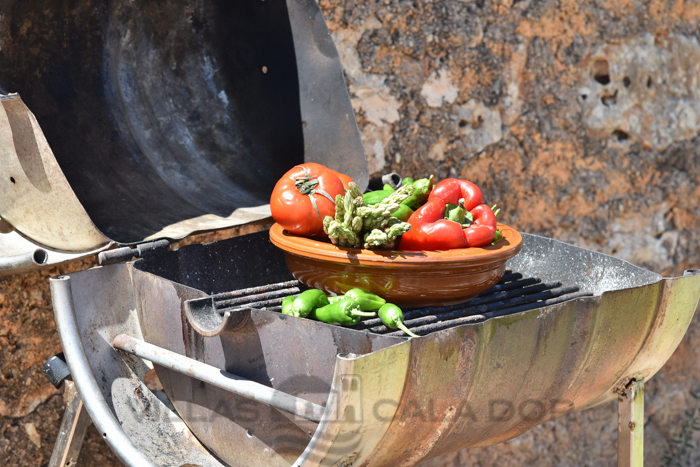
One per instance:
(494, 92)
(580, 120)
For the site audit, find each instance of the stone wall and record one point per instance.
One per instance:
(579, 119)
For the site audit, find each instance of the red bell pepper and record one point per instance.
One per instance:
(431, 231)
(451, 190)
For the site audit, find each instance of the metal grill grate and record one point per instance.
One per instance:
(513, 294)
(267, 296)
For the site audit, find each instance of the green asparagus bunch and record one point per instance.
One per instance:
(356, 225)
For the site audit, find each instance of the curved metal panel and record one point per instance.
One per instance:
(36, 197)
(297, 356)
(92, 307)
(479, 385)
(325, 103)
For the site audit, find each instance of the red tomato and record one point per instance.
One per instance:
(345, 179)
(291, 203)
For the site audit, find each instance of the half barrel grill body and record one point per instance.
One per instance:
(386, 397)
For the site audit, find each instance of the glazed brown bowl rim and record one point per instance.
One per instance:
(322, 249)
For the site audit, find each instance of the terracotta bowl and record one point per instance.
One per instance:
(406, 278)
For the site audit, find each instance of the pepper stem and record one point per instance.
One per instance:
(497, 236)
(363, 313)
(456, 212)
(406, 330)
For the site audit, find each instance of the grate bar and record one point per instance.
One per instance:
(507, 294)
(550, 301)
(512, 294)
(256, 290)
(510, 276)
(272, 305)
(515, 284)
(249, 299)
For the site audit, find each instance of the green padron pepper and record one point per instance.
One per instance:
(403, 213)
(367, 301)
(423, 187)
(303, 304)
(375, 197)
(392, 317)
(344, 312)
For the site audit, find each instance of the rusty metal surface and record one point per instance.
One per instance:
(479, 385)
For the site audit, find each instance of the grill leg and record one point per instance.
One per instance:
(70, 436)
(630, 425)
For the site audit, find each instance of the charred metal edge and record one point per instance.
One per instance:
(102, 417)
(204, 317)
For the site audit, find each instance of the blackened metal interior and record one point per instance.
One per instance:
(159, 112)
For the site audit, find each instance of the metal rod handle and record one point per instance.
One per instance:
(219, 378)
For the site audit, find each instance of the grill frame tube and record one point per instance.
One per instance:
(95, 403)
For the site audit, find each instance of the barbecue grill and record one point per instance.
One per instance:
(534, 347)
(243, 385)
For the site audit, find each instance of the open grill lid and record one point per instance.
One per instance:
(160, 120)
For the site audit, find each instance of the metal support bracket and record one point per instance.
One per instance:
(630, 424)
(73, 426)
